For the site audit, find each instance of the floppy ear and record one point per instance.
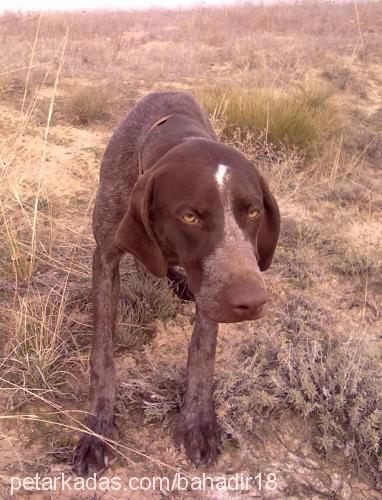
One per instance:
(269, 230)
(134, 233)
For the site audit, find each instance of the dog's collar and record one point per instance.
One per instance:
(152, 126)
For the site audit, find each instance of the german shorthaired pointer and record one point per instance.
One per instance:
(172, 195)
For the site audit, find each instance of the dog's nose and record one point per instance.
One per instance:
(247, 300)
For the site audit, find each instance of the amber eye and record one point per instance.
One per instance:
(253, 213)
(190, 218)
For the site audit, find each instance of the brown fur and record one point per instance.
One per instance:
(141, 214)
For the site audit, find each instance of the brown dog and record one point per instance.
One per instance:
(172, 195)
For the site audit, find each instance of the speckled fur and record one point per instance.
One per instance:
(118, 175)
(136, 139)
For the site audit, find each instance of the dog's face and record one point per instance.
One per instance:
(206, 208)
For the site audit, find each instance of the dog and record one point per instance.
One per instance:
(173, 196)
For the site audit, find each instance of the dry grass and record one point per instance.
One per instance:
(300, 367)
(38, 357)
(144, 299)
(87, 105)
(303, 119)
(297, 89)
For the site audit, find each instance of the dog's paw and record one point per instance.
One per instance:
(199, 438)
(91, 456)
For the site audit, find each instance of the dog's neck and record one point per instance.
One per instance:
(147, 133)
(165, 134)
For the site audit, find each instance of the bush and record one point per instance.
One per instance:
(144, 298)
(333, 379)
(11, 85)
(88, 104)
(298, 120)
(38, 359)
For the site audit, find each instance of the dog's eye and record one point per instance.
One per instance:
(253, 213)
(190, 218)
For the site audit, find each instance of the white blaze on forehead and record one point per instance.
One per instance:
(232, 231)
(219, 267)
(220, 174)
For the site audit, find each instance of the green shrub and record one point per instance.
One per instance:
(301, 119)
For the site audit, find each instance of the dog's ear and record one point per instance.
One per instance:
(135, 234)
(269, 230)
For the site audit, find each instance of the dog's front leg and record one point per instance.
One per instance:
(93, 454)
(197, 426)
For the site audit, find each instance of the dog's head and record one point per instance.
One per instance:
(205, 207)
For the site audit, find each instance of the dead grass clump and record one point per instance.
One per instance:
(87, 105)
(155, 388)
(354, 261)
(351, 258)
(40, 358)
(295, 256)
(26, 233)
(300, 119)
(14, 258)
(11, 85)
(297, 266)
(348, 192)
(331, 379)
(296, 232)
(144, 298)
(303, 244)
(338, 75)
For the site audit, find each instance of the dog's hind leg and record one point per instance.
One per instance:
(92, 454)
